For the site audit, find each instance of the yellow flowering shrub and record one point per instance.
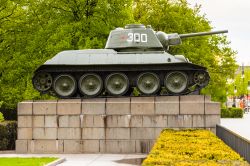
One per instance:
(191, 148)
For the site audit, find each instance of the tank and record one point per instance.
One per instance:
(135, 61)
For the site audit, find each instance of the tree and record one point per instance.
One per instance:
(11, 69)
(212, 52)
(240, 83)
(37, 30)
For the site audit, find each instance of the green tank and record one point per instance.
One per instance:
(135, 57)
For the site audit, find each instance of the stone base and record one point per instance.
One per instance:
(108, 125)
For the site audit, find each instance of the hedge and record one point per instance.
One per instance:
(8, 135)
(191, 148)
(231, 112)
(1, 117)
(9, 114)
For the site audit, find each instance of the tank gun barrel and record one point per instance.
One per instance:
(182, 36)
(175, 38)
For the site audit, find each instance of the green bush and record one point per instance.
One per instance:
(236, 112)
(3, 137)
(1, 117)
(231, 112)
(8, 135)
(224, 113)
(9, 114)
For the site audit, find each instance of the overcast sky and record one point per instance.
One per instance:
(234, 16)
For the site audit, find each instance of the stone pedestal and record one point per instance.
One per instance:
(108, 125)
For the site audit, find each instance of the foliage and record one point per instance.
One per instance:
(212, 52)
(9, 114)
(3, 137)
(1, 117)
(240, 83)
(1, 114)
(25, 161)
(231, 113)
(33, 31)
(191, 147)
(8, 135)
(224, 113)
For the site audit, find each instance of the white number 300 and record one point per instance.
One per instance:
(137, 37)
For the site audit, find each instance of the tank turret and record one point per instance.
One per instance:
(137, 37)
(135, 58)
(134, 37)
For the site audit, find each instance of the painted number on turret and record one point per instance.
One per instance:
(137, 37)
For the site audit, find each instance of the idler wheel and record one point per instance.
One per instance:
(116, 84)
(200, 78)
(176, 82)
(65, 85)
(90, 85)
(148, 83)
(42, 81)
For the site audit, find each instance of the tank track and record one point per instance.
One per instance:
(131, 71)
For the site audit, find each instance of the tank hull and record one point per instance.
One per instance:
(132, 71)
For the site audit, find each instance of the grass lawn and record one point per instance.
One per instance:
(25, 161)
